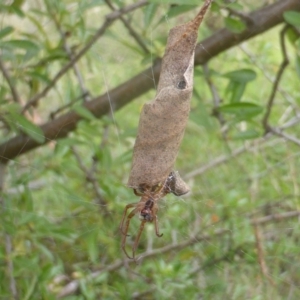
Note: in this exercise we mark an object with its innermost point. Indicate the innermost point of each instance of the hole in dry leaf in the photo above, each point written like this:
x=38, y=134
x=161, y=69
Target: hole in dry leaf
x=181, y=85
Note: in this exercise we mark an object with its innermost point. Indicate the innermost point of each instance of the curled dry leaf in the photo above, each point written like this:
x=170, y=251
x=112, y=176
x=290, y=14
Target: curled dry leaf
x=161, y=129
x=163, y=120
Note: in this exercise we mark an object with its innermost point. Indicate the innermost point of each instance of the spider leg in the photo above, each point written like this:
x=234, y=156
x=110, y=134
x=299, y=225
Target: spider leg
x=123, y=217
x=137, y=193
x=123, y=244
x=156, y=227
x=137, y=239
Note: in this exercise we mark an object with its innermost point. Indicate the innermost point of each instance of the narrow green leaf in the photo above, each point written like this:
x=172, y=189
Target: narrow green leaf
x=215, y=7
x=242, y=109
x=149, y=13
x=178, y=10
x=32, y=286
x=246, y=135
x=235, y=6
x=83, y=112
x=236, y=90
x=292, y=17
x=93, y=249
x=22, y=44
x=234, y=25
x=104, y=156
x=3, y=91
x=32, y=130
x=292, y=35
x=297, y=62
x=39, y=76
x=6, y=31
x=242, y=75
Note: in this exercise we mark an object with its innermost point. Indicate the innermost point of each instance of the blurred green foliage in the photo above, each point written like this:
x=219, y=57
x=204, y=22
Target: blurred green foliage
x=64, y=229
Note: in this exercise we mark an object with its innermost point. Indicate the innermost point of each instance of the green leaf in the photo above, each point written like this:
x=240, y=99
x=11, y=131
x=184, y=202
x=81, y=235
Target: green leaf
x=199, y=114
x=292, y=17
x=93, y=249
x=292, y=35
x=235, y=6
x=32, y=130
x=297, y=62
x=238, y=81
x=178, y=10
x=234, y=25
x=242, y=75
x=83, y=112
x=21, y=44
x=6, y=31
x=246, y=135
x=236, y=90
x=243, y=110
x=3, y=91
x=39, y=76
x=215, y=7
x=104, y=156
x=149, y=13
x=14, y=7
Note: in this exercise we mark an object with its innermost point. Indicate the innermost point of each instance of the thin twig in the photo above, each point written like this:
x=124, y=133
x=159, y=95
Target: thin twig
x=143, y=295
x=261, y=256
x=73, y=286
x=254, y=190
x=110, y=18
x=8, y=242
x=253, y=60
x=275, y=217
x=130, y=29
x=285, y=135
x=62, y=108
x=90, y=177
x=224, y=158
x=7, y=76
x=283, y=66
x=244, y=17
x=10, y=267
x=215, y=95
x=84, y=91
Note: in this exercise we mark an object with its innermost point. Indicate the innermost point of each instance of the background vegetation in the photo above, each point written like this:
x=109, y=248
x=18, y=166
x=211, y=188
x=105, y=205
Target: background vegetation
x=68, y=70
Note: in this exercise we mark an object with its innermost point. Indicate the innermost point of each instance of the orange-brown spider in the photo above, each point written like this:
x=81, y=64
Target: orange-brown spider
x=147, y=207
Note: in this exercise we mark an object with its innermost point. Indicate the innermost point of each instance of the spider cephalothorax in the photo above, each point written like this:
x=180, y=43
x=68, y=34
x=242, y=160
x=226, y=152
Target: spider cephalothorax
x=147, y=207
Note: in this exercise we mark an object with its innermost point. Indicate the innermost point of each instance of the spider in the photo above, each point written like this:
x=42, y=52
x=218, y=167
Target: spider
x=147, y=207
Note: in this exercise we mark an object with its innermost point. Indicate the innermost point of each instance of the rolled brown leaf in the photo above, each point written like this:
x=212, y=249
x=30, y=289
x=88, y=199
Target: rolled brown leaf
x=163, y=120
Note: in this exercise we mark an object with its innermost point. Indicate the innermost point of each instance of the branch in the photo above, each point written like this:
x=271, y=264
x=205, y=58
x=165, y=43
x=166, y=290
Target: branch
x=222, y=40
